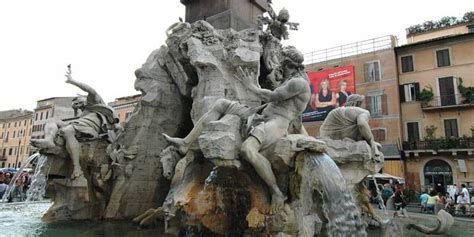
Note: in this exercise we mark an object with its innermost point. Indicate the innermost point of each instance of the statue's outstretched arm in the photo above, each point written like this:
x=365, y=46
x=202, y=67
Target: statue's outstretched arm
x=283, y=92
x=81, y=85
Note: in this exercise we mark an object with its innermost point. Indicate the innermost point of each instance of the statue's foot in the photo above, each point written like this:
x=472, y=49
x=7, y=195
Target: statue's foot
x=179, y=143
x=77, y=173
x=42, y=143
x=278, y=202
x=149, y=217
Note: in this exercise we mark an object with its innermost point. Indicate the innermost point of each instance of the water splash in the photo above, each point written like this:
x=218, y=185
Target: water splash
x=16, y=176
x=338, y=206
x=39, y=181
x=380, y=199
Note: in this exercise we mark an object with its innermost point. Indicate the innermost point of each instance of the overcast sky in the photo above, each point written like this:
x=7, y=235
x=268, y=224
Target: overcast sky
x=106, y=40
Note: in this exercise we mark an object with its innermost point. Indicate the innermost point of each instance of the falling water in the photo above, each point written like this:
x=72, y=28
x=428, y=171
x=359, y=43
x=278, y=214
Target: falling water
x=338, y=205
x=379, y=198
x=39, y=181
x=16, y=176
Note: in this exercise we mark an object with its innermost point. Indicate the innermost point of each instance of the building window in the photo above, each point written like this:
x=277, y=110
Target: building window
x=447, y=91
x=407, y=63
x=442, y=58
x=14, y=125
x=451, y=128
x=14, y=132
x=41, y=116
x=4, y=152
x=127, y=115
x=413, y=131
x=24, y=124
x=10, y=151
x=376, y=103
x=36, y=117
x=379, y=134
x=409, y=92
x=47, y=114
x=372, y=71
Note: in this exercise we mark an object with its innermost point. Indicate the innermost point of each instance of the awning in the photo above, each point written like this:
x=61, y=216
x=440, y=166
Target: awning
x=387, y=176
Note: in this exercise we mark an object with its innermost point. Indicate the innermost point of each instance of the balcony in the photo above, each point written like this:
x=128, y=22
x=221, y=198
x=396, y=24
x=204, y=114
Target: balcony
x=3, y=158
x=452, y=145
x=446, y=102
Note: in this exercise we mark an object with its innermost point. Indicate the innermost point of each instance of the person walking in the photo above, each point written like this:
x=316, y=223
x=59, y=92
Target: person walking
x=423, y=201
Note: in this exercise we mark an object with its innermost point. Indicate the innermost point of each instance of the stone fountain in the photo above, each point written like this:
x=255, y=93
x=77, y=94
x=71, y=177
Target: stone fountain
x=216, y=145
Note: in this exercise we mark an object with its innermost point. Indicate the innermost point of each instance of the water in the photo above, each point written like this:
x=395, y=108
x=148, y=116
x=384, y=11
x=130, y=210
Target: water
x=344, y=218
x=39, y=180
x=10, y=187
x=380, y=199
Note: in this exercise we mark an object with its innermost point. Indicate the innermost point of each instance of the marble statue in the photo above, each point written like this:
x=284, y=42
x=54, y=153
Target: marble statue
x=216, y=145
x=97, y=120
x=284, y=104
x=350, y=121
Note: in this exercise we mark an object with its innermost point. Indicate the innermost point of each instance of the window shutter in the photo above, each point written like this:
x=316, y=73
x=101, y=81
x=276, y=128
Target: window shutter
x=366, y=72
x=384, y=104
x=401, y=89
x=367, y=103
x=417, y=90
x=377, y=71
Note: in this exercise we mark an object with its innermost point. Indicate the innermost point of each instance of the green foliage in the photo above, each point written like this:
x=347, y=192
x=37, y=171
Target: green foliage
x=426, y=95
x=443, y=22
x=430, y=131
x=468, y=16
x=466, y=92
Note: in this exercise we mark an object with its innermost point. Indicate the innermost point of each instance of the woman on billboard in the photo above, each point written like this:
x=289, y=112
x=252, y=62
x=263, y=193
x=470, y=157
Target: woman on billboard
x=342, y=95
x=324, y=100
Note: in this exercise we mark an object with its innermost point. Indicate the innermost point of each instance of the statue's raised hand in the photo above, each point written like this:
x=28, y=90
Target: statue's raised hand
x=245, y=76
x=68, y=74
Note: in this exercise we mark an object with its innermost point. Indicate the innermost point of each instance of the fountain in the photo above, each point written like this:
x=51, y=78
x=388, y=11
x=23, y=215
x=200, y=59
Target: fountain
x=216, y=145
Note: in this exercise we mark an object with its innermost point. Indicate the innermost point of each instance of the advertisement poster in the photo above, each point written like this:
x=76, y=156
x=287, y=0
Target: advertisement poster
x=330, y=89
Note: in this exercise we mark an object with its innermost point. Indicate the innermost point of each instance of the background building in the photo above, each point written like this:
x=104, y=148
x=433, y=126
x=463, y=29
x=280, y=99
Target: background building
x=375, y=71
x=15, y=131
x=55, y=107
x=124, y=106
x=438, y=114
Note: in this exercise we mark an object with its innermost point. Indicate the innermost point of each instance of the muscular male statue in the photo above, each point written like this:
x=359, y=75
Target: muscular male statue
x=284, y=105
x=97, y=118
x=350, y=121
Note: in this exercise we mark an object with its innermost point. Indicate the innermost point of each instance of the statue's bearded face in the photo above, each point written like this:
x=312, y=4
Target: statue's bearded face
x=79, y=103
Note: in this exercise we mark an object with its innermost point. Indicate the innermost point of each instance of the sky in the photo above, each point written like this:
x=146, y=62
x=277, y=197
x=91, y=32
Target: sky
x=106, y=40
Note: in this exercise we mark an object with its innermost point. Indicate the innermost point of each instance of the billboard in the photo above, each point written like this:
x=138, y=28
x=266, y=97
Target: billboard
x=329, y=90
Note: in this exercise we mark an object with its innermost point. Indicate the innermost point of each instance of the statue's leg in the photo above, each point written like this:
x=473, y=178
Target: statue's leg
x=50, y=130
x=216, y=112
x=262, y=166
x=73, y=148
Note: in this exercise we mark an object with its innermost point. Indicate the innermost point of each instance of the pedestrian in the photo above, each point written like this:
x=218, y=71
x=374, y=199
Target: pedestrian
x=423, y=201
x=399, y=201
x=386, y=193
x=3, y=188
x=432, y=200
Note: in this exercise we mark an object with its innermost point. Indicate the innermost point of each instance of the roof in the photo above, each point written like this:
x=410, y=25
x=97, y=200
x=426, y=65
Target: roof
x=14, y=113
x=435, y=40
x=61, y=97
x=390, y=151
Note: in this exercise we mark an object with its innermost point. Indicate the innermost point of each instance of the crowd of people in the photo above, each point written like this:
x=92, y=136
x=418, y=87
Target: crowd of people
x=18, y=189
x=455, y=201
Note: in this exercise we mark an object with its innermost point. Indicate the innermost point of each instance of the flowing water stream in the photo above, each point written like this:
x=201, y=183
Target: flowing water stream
x=39, y=180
